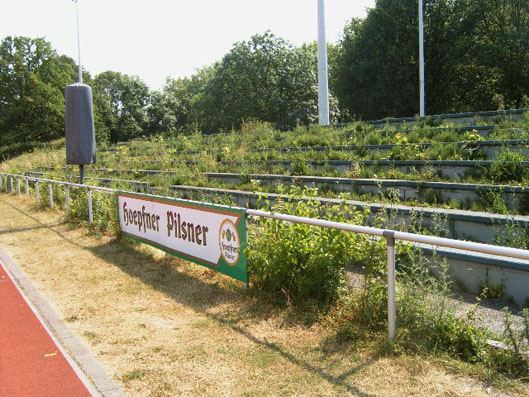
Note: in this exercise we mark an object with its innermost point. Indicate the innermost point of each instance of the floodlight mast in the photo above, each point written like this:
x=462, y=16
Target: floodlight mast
x=80, y=70
x=421, y=58
x=323, y=83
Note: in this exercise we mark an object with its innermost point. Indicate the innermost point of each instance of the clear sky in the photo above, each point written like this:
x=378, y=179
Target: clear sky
x=156, y=39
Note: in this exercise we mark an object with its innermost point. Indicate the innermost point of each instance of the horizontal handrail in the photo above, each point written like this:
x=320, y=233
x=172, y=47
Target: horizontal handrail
x=389, y=235
x=417, y=238
x=412, y=237
x=72, y=184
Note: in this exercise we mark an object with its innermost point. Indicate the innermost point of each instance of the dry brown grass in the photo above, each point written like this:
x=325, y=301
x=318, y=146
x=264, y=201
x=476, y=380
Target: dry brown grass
x=161, y=326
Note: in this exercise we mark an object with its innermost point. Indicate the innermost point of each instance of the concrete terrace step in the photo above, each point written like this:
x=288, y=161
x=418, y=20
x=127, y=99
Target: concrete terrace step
x=469, y=270
x=476, y=226
x=452, y=169
x=466, y=117
x=513, y=196
x=490, y=148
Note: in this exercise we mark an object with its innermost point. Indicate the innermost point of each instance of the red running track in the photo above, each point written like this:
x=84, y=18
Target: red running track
x=31, y=364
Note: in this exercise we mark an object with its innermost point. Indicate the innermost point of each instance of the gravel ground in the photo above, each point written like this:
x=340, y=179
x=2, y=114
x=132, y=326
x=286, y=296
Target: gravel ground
x=489, y=312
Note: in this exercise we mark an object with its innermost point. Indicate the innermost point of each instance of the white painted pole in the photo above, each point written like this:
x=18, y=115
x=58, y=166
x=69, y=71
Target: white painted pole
x=392, y=305
x=27, y=186
x=18, y=186
x=37, y=190
x=80, y=69
x=421, y=58
x=323, y=82
x=50, y=195
x=67, y=198
x=11, y=184
x=90, y=214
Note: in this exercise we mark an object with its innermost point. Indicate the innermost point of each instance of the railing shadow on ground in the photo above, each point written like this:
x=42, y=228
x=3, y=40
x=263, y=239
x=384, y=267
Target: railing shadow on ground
x=27, y=229
x=201, y=296
x=41, y=225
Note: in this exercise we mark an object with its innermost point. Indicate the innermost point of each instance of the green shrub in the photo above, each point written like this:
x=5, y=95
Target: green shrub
x=508, y=167
x=298, y=262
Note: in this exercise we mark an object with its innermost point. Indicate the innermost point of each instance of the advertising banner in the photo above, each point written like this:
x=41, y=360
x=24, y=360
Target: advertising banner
x=210, y=235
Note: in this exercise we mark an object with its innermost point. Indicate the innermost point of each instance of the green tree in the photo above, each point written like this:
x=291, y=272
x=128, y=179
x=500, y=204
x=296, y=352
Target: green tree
x=174, y=110
x=476, y=52
x=377, y=75
x=263, y=78
x=32, y=80
x=122, y=101
x=493, y=51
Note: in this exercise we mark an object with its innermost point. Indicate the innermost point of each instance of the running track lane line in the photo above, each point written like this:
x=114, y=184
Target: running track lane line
x=31, y=363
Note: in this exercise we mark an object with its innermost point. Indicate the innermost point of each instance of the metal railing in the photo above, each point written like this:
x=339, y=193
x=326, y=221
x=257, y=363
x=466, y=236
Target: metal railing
x=390, y=235
x=4, y=177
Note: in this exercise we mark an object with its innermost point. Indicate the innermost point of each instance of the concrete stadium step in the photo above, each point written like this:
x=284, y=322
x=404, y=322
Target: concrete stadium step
x=489, y=148
x=515, y=197
x=475, y=226
x=457, y=118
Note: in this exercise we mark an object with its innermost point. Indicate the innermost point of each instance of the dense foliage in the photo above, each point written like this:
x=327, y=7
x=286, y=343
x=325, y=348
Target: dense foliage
x=123, y=100
x=477, y=58
x=306, y=263
x=476, y=55
x=32, y=78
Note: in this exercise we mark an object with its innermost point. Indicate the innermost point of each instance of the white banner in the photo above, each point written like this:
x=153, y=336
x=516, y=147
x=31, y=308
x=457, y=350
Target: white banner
x=202, y=233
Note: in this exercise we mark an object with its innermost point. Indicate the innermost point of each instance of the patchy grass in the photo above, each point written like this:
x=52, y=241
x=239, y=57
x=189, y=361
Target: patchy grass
x=163, y=326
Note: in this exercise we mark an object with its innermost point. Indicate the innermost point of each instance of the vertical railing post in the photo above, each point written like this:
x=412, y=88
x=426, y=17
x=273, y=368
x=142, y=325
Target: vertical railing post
x=1, y=182
x=392, y=306
x=11, y=184
x=37, y=189
x=50, y=194
x=18, y=186
x=67, y=197
x=90, y=215
x=27, y=186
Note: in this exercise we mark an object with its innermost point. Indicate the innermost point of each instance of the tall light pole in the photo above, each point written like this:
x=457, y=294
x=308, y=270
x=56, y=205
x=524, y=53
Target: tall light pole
x=80, y=70
x=323, y=82
x=79, y=118
x=421, y=58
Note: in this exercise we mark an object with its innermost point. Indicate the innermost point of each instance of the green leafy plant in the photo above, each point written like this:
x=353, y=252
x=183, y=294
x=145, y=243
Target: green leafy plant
x=298, y=262
x=491, y=291
x=508, y=167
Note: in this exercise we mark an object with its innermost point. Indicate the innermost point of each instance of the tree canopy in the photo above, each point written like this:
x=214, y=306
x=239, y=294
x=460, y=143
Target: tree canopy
x=32, y=80
x=476, y=51
x=476, y=54
x=264, y=78
x=124, y=105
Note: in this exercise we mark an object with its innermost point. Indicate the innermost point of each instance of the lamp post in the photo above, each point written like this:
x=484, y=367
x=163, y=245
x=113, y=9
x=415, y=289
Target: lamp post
x=323, y=83
x=79, y=118
x=80, y=70
x=421, y=58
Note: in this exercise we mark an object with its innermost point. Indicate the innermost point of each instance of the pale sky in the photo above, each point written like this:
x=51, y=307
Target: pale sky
x=156, y=39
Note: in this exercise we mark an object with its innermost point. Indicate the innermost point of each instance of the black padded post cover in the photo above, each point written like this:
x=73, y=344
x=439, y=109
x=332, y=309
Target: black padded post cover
x=79, y=125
